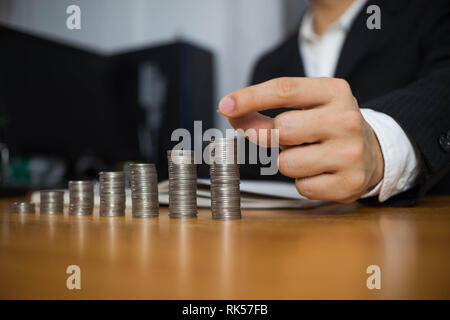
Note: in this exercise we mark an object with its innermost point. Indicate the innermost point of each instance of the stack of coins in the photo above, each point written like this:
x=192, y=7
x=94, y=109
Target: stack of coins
x=23, y=207
x=182, y=184
x=225, y=180
x=144, y=190
x=112, y=194
x=52, y=202
x=81, y=198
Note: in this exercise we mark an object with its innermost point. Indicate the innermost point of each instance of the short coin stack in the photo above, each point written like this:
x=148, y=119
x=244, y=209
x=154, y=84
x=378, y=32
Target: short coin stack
x=112, y=194
x=182, y=184
x=81, y=198
x=23, y=207
x=52, y=202
x=144, y=190
x=225, y=180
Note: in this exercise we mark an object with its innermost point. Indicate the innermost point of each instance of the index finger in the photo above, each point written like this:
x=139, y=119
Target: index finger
x=276, y=93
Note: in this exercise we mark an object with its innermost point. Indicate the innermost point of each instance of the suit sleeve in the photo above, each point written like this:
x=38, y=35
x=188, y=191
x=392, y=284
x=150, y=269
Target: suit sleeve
x=423, y=108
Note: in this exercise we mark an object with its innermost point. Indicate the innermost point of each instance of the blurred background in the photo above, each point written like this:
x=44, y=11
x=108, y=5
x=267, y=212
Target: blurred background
x=75, y=102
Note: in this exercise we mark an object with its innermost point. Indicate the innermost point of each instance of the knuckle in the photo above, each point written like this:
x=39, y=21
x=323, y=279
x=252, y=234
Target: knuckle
x=287, y=124
x=284, y=87
x=353, y=121
x=282, y=132
x=357, y=182
x=352, y=187
x=355, y=153
x=325, y=84
x=342, y=85
x=285, y=164
x=278, y=121
x=304, y=188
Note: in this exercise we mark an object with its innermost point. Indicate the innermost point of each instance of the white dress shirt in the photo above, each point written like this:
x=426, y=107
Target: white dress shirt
x=320, y=55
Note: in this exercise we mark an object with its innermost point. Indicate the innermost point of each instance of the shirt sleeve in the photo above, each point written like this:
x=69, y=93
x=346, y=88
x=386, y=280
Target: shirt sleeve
x=401, y=161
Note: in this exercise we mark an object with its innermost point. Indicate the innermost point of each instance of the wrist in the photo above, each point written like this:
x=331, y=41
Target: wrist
x=377, y=160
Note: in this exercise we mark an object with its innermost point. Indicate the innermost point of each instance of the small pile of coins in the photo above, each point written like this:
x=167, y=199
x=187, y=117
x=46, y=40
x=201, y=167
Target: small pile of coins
x=23, y=207
x=225, y=179
x=182, y=184
x=112, y=194
x=144, y=190
x=81, y=198
x=52, y=202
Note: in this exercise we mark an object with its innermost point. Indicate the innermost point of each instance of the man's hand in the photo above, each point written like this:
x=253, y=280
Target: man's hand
x=327, y=145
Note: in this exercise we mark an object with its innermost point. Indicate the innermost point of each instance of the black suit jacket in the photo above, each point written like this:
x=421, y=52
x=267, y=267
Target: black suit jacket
x=402, y=70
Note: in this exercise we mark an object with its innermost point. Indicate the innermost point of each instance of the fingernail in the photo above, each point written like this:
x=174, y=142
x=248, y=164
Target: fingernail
x=226, y=105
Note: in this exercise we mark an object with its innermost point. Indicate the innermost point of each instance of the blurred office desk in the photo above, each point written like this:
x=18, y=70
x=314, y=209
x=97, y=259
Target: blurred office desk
x=284, y=254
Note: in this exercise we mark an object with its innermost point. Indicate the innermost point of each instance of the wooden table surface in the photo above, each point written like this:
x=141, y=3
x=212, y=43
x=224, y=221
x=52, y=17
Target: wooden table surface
x=276, y=254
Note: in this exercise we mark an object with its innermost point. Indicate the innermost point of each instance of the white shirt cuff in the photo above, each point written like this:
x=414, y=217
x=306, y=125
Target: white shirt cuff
x=401, y=162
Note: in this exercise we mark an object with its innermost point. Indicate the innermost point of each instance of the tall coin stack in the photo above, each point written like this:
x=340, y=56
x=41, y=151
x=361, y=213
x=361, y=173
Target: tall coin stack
x=144, y=190
x=81, y=198
x=225, y=180
x=52, y=202
x=182, y=184
x=112, y=194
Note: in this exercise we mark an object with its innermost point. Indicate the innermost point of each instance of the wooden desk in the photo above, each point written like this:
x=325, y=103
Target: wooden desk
x=285, y=254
